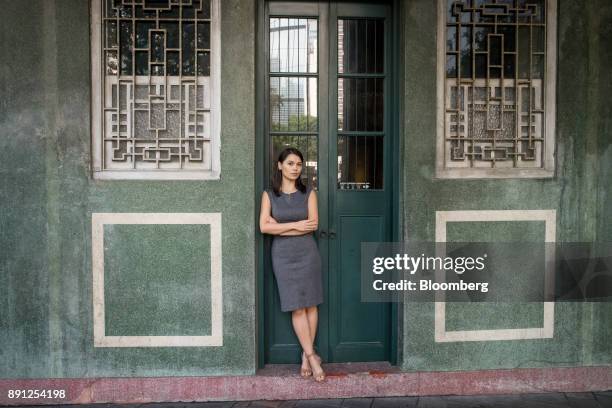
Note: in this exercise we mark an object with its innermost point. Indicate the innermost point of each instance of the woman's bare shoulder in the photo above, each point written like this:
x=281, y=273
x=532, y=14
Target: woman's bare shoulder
x=268, y=192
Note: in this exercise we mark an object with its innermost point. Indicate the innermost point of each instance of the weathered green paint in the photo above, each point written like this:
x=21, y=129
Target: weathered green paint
x=517, y=278
x=580, y=191
x=48, y=196
x=157, y=280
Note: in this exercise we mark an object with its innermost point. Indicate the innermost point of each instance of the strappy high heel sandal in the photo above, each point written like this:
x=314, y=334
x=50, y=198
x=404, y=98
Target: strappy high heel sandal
x=319, y=376
x=305, y=372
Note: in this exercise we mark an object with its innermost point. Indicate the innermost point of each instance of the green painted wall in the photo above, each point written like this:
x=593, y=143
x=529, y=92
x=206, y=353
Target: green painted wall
x=580, y=193
x=48, y=196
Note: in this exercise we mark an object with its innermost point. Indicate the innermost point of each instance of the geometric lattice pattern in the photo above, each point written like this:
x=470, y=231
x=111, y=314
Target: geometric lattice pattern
x=494, y=93
x=157, y=96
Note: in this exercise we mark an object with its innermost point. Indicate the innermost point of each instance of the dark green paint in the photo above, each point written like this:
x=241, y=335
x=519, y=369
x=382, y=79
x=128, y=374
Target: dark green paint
x=348, y=330
x=358, y=331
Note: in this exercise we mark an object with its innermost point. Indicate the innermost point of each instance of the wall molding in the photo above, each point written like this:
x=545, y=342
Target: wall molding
x=98, y=220
x=545, y=332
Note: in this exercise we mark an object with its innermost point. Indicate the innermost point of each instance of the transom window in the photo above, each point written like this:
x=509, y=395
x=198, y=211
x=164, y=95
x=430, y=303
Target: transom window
x=156, y=82
x=496, y=95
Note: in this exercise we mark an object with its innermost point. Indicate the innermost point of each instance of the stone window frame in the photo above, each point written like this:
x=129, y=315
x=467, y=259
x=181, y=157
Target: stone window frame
x=547, y=170
x=97, y=104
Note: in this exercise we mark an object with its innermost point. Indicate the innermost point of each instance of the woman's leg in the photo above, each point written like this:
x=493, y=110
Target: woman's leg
x=301, y=326
x=302, y=329
x=313, y=316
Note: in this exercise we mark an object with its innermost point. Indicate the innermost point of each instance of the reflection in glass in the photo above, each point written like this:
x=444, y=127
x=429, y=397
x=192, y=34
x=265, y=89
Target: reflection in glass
x=142, y=33
x=158, y=40
x=204, y=63
x=480, y=37
x=537, y=70
x=293, y=45
x=305, y=144
x=499, y=33
x=509, y=65
x=538, y=11
x=173, y=63
x=360, y=162
x=125, y=47
x=451, y=66
x=151, y=40
x=361, y=46
x=188, y=49
x=508, y=33
x=360, y=104
x=203, y=35
x=293, y=97
x=495, y=48
x=481, y=65
x=293, y=104
x=490, y=46
x=172, y=33
x=523, y=48
x=111, y=34
x=466, y=52
x=451, y=16
x=451, y=39
x=168, y=41
x=111, y=62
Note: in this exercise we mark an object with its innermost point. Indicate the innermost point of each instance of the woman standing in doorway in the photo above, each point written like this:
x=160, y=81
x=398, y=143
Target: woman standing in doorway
x=289, y=212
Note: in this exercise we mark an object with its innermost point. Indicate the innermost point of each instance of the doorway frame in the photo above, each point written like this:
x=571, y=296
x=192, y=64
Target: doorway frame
x=397, y=145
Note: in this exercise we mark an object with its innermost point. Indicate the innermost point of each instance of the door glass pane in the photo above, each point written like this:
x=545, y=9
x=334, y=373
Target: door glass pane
x=293, y=45
x=361, y=46
x=305, y=144
x=360, y=162
x=293, y=91
x=361, y=76
x=293, y=104
x=360, y=104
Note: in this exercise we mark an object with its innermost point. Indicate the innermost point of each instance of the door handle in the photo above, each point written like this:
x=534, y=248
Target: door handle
x=323, y=234
x=332, y=234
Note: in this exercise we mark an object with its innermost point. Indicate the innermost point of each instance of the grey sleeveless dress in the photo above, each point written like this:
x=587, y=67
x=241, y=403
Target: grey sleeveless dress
x=296, y=261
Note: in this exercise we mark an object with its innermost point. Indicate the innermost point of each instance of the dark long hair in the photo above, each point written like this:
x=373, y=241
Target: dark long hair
x=277, y=178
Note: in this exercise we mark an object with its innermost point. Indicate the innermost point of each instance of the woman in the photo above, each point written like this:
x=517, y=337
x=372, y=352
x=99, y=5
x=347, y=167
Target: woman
x=289, y=212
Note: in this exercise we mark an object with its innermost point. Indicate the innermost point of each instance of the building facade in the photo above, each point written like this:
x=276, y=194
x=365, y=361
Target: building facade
x=139, y=136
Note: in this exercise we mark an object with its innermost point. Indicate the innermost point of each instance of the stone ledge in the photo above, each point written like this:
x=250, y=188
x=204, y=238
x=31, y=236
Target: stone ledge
x=283, y=382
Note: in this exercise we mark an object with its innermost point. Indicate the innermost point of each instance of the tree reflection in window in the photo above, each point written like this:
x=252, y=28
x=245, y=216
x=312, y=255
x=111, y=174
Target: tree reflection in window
x=157, y=84
x=495, y=83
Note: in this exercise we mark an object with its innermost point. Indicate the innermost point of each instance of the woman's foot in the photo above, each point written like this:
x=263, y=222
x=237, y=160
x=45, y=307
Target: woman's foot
x=305, y=370
x=315, y=364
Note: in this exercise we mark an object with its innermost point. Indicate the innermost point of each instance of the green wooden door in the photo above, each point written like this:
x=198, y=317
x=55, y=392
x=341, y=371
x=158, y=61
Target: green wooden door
x=327, y=91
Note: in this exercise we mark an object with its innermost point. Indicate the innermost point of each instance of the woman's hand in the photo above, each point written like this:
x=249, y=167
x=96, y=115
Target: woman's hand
x=305, y=225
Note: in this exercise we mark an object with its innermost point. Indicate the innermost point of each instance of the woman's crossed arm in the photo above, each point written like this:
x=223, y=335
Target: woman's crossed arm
x=268, y=225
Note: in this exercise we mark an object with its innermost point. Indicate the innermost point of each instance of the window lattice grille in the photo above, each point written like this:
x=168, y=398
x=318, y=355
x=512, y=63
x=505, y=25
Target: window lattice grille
x=495, y=78
x=158, y=103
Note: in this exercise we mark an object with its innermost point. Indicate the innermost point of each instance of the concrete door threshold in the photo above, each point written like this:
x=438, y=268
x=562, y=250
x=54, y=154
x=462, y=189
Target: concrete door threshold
x=332, y=369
